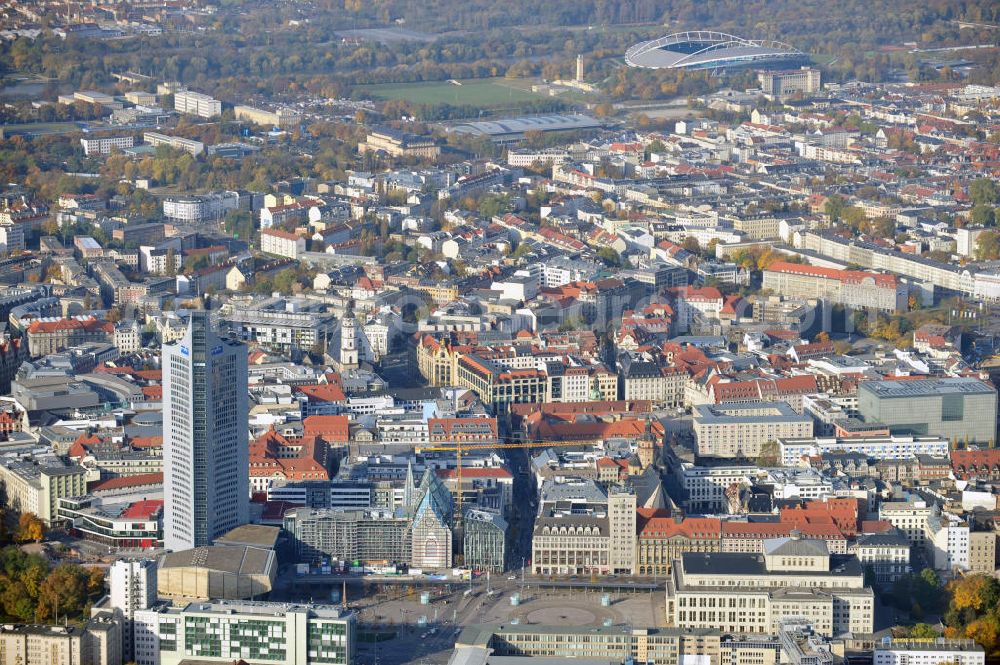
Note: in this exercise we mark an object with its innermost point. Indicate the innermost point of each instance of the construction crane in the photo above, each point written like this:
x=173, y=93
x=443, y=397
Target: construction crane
x=460, y=448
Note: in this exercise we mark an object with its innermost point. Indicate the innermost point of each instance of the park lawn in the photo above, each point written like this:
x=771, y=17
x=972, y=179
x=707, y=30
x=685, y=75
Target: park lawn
x=472, y=92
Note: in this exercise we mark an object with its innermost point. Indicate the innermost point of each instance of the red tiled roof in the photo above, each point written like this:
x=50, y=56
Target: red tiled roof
x=329, y=428
x=848, y=276
x=322, y=392
x=476, y=472
x=139, y=480
x=146, y=442
x=145, y=509
x=876, y=526
x=152, y=392
x=278, y=233
x=985, y=461
x=88, y=325
x=654, y=524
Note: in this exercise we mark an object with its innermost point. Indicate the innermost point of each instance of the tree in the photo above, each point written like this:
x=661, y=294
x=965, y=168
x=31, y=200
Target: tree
x=988, y=246
x=655, y=146
x=983, y=191
x=95, y=581
x=30, y=528
x=691, y=244
x=769, y=455
x=823, y=337
x=854, y=217
x=609, y=256
x=883, y=227
x=982, y=215
x=834, y=207
x=63, y=593
x=985, y=631
x=171, y=260
x=923, y=631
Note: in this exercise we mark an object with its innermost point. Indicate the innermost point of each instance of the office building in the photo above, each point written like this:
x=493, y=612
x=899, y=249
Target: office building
x=662, y=539
x=226, y=632
x=206, y=456
x=485, y=541
x=852, y=288
x=932, y=651
x=741, y=430
x=283, y=323
x=982, y=552
x=959, y=409
x=582, y=529
x=754, y=593
x=282, y=118
x=590, y=645
x=899, y=446
x=133, y=587
x=114, y=524
x=176, y=142
x=99, y=642
x=11, y=237
x=790, y=82
x=104, y=145
x=367, y=536
x=34, y=481
x=910, y=517
x=886, y=554
x=202, y=208
x=500, y=386
x=399, y=144
x=196, y=103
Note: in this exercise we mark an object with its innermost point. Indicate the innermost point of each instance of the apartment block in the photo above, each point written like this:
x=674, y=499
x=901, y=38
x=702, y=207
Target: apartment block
x=282, y=243
x=196, y=103
x=106, y=144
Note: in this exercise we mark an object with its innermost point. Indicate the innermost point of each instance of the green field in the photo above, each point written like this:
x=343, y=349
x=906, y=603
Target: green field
x=38, y=128
x=472, y=92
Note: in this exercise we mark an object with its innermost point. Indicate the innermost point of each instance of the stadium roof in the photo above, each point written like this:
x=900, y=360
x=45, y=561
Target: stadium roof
x=707, y=49
x=536, y=123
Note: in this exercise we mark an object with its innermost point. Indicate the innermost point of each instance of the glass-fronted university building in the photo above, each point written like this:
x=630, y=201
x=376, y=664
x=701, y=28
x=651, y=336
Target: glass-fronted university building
x=225, y=632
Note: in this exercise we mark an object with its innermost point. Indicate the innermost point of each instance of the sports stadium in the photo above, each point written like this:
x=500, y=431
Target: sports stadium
x=707, y=49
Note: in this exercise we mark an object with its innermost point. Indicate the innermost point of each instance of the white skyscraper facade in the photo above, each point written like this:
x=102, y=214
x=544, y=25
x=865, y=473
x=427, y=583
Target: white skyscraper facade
x=205, y=436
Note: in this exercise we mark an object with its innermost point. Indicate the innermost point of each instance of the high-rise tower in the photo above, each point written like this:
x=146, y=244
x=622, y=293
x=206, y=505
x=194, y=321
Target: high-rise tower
x=205, y=444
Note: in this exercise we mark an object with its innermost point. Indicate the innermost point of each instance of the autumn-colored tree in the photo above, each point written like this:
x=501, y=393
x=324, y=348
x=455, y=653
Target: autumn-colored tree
x=30, y=528
x=976, y=592
x=985, y=631
x=63, y=592
x=95, y=581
